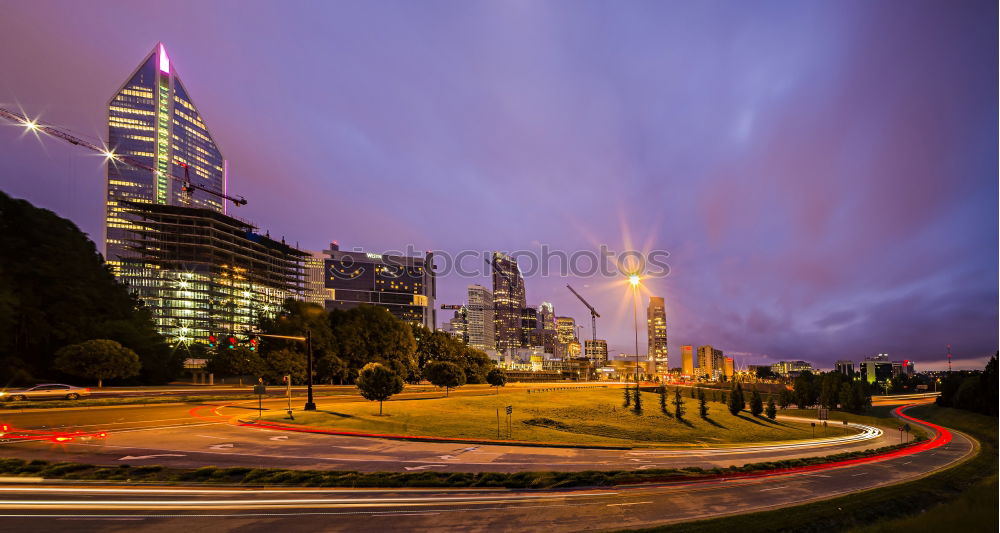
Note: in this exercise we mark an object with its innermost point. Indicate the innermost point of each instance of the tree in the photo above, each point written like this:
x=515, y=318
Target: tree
x=331, y=368
x=496, y=378
x=638, y=401
x=785, y=398
x=736, y=402
x=377, y=383
x=663, y=399
x=98, y=359
x=278, y=363
x=238, y=361
x=678, y=404
x=628, y=397
x=756, y=403
x=772, y=410
x=444, y=374
x=805, y=390
x=367, y=334
x=702, y=404
x=60, y=292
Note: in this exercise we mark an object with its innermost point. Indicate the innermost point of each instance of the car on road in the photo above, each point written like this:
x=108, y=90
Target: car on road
x=48, y=391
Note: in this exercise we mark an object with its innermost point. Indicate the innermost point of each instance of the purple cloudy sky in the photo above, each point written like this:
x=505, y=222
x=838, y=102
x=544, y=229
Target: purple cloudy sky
x=823, y=174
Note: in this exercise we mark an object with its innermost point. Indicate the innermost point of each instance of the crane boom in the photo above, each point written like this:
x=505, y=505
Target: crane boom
x=594, y=315
x=124, y=159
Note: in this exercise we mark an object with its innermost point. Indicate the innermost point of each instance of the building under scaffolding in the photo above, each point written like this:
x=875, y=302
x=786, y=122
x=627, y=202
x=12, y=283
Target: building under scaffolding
x=203, y=273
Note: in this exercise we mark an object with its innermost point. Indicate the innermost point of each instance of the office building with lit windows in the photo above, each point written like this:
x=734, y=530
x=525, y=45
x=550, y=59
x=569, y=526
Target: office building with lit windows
x=508, y=302
x=314, y=288
x=596, y=351
x=153, y=120
x=656, y=327
x=199, y=271
x=404, y=286
x=687, y=361
x=479, y=317
x=711, y=362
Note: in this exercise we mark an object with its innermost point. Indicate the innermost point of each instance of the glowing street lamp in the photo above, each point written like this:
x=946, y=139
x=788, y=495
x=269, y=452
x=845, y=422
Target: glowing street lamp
x=634, y=280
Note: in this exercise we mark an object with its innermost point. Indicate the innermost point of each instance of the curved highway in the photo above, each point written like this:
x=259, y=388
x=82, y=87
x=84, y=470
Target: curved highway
x=117, y=508
x=183, y=436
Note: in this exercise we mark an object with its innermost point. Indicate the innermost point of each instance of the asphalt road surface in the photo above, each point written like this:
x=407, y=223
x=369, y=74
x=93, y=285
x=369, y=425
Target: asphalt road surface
x=199, y=435
x=44, y=507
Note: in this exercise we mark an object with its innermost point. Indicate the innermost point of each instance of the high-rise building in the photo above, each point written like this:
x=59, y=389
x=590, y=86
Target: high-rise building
x=198, y=271
x=687, y=361
x=565, y=329
x=547, y=327
x=479, y=315
x=403, y=285
x=656, y=325
x=508, y=301
x=876, y=368
x=845, y=367
x=202, y=273
x=729, y=367
x=711, y=362
x=153, y=120
x=458, y=325
x=596, y=351
x=530, y=334
x=315, y=289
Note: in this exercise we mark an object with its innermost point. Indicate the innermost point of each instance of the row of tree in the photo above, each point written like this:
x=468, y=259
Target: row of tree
x=56, y=291
x=344, y=341
x=830, y=390
x=972, y=391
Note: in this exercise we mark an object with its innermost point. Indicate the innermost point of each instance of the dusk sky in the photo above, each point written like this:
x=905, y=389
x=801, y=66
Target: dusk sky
x=823, y=174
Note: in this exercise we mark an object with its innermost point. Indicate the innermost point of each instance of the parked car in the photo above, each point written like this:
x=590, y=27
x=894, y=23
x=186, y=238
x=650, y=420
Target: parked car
x=47, y=391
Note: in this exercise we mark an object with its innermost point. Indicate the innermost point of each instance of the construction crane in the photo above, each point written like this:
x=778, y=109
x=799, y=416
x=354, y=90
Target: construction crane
x=594, y=315
x=186, y=186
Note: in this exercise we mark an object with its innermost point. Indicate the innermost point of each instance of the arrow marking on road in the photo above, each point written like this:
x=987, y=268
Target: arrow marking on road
x=446, y=457
x=420, y=467
x=221, y=446
x=132, y=457
x=279, y=437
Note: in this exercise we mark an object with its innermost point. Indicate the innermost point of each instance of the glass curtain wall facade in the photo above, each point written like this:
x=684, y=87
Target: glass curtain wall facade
x=508, y=301
x=656, y=324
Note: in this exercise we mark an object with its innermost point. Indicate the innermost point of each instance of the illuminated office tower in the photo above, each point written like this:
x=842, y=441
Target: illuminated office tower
x=565, y=329
x=687, y=361
x=153, y=120
x=508, y=302
x=199, y=272
x=479, y=315
x=656, y=326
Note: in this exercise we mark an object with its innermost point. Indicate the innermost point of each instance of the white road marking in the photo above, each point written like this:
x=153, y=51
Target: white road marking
x=861, y=474
x=630, y=503
x=221, y=446
x=279, y=437
x=773, y=488
x=132, y=457
x=421, y=467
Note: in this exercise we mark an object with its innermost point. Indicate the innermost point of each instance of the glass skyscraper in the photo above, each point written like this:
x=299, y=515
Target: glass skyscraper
x=199, y=272
x=152, y=119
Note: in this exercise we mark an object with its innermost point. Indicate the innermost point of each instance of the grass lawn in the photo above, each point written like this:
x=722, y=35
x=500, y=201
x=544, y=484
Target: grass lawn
x=574, y=416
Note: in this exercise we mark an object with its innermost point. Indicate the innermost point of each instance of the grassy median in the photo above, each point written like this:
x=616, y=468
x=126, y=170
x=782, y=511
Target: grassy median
x=580, y=416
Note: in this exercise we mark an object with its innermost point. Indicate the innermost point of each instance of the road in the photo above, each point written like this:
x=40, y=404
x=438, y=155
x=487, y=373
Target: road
x=192, y=436
x=117, y=508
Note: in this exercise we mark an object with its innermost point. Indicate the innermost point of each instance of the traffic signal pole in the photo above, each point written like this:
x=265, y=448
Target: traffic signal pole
x=310, y=405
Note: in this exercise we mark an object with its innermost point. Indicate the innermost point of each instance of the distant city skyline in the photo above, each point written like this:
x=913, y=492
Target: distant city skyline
x=814, y=206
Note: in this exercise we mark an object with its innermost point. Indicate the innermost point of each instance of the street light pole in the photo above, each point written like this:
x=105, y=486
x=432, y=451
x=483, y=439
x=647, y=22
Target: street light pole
x=634, y=281
x=310, y=405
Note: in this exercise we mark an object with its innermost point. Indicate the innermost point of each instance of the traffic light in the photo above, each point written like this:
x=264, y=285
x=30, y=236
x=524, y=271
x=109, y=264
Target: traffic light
x=232, y=342
x=253, y=344
x=212, y=341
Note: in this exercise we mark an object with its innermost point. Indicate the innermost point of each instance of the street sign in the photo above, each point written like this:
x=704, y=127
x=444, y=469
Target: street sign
x=260, y=389
x=510, y=409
